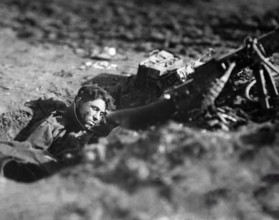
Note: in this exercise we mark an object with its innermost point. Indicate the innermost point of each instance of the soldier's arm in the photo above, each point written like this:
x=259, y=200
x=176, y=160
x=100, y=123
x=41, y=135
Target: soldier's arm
x=42, y=136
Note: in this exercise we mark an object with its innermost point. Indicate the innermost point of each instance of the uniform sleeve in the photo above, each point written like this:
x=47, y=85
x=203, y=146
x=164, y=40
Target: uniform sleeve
x=41, y=137
x=23, y=152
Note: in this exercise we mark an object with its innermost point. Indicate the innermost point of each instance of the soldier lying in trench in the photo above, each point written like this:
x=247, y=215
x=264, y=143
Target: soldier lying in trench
x=53, y=140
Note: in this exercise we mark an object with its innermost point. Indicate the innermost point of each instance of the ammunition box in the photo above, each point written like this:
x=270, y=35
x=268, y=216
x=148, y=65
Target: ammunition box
x=174, y=77
x=151, y=70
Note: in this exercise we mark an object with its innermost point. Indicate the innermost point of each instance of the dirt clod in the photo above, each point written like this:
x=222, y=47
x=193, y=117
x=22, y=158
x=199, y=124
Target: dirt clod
x=224, y=166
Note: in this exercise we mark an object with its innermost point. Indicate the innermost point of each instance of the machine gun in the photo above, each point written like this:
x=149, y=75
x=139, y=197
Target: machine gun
x=207, y=82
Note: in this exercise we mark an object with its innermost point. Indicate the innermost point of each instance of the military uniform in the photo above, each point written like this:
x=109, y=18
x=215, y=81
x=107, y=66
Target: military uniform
x=48, y=144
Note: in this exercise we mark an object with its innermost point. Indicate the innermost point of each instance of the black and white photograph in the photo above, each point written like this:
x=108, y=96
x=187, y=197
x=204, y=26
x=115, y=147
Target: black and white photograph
x=139, y=110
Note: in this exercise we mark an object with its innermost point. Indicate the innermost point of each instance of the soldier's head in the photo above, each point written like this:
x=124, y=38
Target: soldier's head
x=92, y=105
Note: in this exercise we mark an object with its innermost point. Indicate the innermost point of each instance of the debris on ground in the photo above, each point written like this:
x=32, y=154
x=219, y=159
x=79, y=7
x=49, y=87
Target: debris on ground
x=226, y=167
x=105, y=65
x=98, y=65
x=107, y=53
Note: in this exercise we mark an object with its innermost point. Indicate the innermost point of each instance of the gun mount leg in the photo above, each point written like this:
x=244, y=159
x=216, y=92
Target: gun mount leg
x=263, y=75
x=268, y=92
x=271, y=86
x=270, y=82
x=261, y=86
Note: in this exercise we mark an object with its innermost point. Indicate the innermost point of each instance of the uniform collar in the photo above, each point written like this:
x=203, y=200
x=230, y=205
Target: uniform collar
x=72, y=119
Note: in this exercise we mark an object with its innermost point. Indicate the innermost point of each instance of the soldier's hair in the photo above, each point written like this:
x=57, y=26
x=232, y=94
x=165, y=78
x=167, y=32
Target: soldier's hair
x=92, y=92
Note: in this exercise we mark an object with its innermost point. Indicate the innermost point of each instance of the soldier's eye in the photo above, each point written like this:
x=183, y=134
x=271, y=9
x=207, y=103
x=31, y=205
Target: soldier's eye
x=94, y=108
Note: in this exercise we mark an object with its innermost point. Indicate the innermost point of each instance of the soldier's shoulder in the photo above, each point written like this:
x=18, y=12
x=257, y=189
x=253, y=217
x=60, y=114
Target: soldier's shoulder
x=45, y=107
x=57, y=118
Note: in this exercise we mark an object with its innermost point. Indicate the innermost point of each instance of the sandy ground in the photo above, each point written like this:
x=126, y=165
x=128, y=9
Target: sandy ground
x=166, y=172
x=30, y=71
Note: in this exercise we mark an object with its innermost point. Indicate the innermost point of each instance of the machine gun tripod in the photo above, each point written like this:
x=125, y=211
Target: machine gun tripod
x=263, y=71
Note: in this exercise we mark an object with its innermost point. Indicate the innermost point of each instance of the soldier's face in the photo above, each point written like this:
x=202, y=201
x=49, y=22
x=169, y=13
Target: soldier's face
x=91, y=112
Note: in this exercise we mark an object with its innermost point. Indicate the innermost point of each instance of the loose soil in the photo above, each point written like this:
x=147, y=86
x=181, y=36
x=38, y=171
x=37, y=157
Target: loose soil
x=168, y=171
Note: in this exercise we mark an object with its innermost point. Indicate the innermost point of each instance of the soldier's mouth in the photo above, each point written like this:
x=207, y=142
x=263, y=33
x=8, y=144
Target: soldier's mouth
x=91, y=123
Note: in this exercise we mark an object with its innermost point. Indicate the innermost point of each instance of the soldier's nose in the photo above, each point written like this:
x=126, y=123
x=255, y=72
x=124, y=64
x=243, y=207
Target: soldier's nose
x=97, y=117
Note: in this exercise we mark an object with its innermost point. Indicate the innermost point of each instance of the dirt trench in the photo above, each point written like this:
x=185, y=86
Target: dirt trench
x=170, y=171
